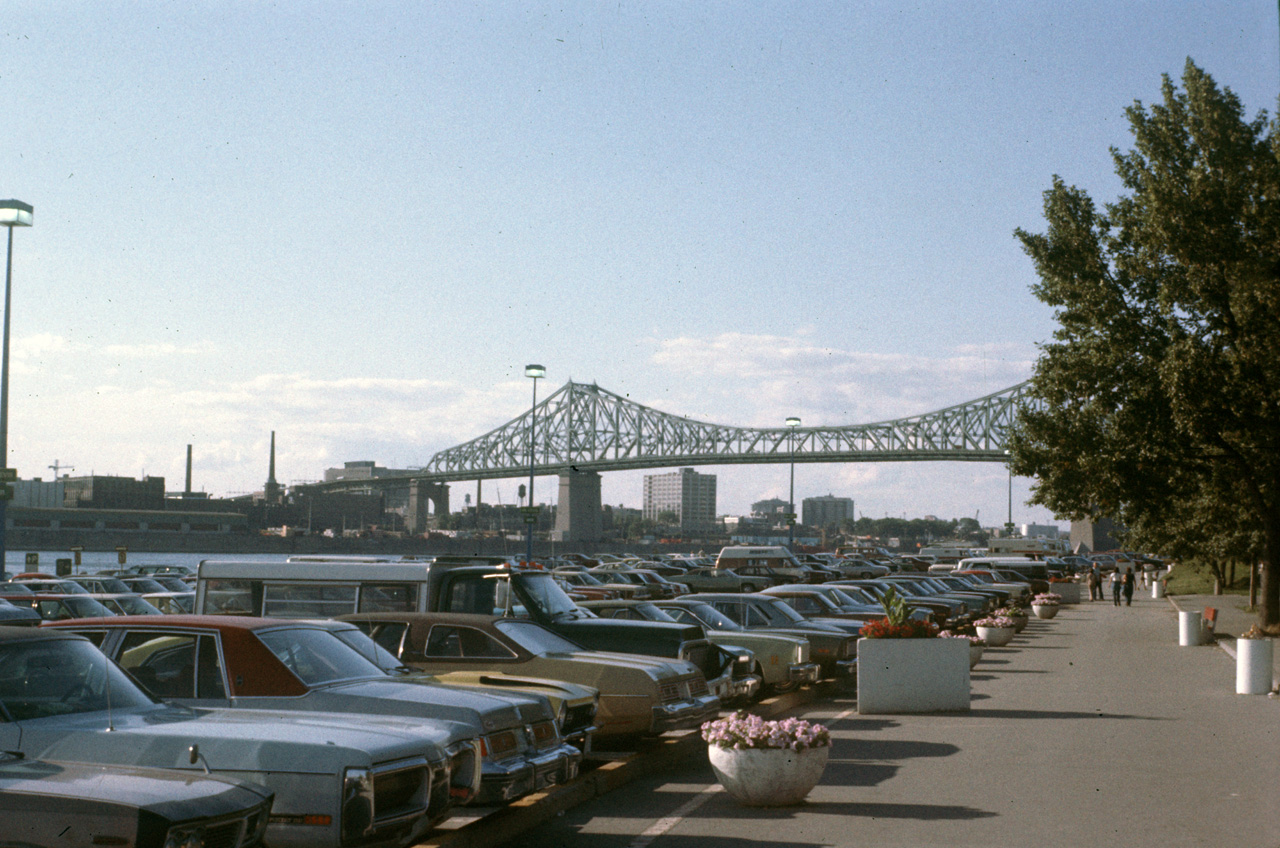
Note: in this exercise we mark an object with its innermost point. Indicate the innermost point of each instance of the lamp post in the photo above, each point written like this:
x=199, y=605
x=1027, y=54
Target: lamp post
x=13, y=213
x=531, y=514
x=793, y=423
x=1008, y=524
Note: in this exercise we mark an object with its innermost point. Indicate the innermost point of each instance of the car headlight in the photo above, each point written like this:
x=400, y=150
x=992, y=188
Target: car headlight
x=184, y=837
x=357, y=803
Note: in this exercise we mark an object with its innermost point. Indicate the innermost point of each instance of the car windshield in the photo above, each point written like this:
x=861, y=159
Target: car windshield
x=706, y=615
x=535, y=638
x=135, y=605
x=173, y=584
x=371, y=650
x=144, y=584
x=317, y=656
x=540, y=592
x=652, y=612
x=113, y=585
x=851, y=595
x=53, y=677
x=776, y=611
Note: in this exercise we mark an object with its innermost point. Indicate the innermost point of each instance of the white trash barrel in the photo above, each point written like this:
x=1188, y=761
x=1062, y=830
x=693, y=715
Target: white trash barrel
x=1189, y=629
x=1254, y=661
x=1157, y=589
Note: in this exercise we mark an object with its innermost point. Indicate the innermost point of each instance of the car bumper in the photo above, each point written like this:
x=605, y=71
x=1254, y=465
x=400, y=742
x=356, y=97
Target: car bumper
x=682, y=715
x=745, y=687
x=846, y=672
x=803, y=673
x=507, y=780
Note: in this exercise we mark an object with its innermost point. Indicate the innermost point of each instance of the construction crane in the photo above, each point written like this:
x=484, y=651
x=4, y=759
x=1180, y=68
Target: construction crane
x=59, y=467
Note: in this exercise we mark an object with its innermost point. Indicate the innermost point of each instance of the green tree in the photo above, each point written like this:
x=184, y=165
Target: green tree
x=1158, y=402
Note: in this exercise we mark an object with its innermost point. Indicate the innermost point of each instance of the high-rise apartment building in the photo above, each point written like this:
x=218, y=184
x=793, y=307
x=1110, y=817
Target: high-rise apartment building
x=690, y=495
x=821, y=511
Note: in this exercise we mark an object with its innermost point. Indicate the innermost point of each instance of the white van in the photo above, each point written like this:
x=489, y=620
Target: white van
x=775, y=564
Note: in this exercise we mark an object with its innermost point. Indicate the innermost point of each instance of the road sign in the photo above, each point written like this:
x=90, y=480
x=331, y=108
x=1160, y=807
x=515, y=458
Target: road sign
x=530, y=514
x=8, y=474
x=6, y=491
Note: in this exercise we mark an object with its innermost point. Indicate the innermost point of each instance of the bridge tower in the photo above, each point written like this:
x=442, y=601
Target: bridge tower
x=422, y=492
x=578, y=513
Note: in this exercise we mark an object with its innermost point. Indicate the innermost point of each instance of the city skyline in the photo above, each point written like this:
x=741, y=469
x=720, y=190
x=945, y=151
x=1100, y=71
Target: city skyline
x=354, y=225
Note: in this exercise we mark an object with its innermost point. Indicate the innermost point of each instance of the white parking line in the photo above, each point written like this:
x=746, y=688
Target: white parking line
x=662, y=825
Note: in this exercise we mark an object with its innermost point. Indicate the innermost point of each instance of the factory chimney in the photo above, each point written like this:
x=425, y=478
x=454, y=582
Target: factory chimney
x=187, y=491
x=271, y=493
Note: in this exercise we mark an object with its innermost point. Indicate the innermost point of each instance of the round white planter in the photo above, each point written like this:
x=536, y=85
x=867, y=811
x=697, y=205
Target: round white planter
x=768, y=777
x=1044, y=610
x=975, y=654
x=995, y=637
x=1255, y=659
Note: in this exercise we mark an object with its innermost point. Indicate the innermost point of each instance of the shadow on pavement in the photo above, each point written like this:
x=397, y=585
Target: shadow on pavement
x=920, y=812
x=887, y=749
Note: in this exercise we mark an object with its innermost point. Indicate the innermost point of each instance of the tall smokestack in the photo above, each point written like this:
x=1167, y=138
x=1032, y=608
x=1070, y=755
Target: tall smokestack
x=271, y=492
x=271, y=469
x=188, y=489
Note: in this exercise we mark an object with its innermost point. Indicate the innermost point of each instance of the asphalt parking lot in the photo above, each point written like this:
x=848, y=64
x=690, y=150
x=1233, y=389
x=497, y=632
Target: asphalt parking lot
x=1093, y=728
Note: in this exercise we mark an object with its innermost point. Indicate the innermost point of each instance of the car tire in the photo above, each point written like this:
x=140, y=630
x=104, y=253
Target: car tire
x=749, y=587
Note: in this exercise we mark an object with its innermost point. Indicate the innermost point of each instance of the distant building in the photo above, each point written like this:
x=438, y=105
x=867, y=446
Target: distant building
x=101, y=492
x=362, y=470
x=774, y=509
x=690, y=495
x=38, y=493
x=1088, y=536
x=825, y=510
x=1040, y=531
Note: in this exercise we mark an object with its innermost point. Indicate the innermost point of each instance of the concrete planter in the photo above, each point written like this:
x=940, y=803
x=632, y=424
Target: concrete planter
x=995, y=637
x=913, y=675
x=1044, y=611
x=768, y=777
x=975, y=654
x=1255, y=659
x=1070, y=592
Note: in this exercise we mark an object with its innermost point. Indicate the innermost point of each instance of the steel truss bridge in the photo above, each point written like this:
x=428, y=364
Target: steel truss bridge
x=582, y=429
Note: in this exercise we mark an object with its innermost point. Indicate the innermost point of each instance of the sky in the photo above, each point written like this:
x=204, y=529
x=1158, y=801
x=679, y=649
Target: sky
x=354, y=223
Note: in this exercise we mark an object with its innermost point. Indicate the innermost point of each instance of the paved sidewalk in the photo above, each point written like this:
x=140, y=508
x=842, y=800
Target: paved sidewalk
x=1094, y=728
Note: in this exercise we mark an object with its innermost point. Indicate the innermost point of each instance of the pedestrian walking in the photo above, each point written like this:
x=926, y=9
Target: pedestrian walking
x=1117, y=586
x=1095, y=583
x=1128, y=584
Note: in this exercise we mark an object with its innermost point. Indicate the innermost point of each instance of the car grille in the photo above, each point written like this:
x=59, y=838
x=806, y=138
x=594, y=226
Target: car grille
x=400, y=791
x=240, y=832
x=670, y=692
x=579, y=718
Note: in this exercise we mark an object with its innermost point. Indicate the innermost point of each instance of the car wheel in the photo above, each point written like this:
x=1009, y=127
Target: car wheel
x=748, y=587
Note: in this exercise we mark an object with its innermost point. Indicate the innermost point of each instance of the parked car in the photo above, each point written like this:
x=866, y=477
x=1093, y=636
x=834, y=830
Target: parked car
x=74, y=805
x=820, y=605
x=737, y=681
x=172, y=603
x=338, y=781
x=574, y=705
x=61, y=607
x=16, y=615
x=262, y=663
x=707, y=579
x=96, y=584
x=833, y=647
x=127, y=604
x=46, y=585
x=639, y=695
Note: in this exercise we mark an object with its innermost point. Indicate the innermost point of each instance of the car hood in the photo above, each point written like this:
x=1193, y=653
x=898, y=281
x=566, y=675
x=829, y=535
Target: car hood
x=390, y=696
x=228, y=740
x=561, y=689
x=176, y=796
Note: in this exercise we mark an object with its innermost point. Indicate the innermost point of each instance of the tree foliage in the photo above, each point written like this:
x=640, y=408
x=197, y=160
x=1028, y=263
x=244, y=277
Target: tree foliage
x=1158, y=402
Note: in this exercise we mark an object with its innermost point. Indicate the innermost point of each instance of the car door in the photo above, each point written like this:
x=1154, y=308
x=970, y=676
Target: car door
x=181, y=666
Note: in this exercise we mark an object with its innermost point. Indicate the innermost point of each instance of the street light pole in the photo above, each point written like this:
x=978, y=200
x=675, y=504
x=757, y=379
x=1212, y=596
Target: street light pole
x=13, y=213
x=793, y=423
x=531, y=516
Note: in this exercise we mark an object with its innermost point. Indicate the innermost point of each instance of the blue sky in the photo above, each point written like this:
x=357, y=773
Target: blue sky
x=355, y=223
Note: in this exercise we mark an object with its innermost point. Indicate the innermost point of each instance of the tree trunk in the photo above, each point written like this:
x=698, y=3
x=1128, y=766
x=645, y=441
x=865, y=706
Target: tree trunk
x=1269, y=613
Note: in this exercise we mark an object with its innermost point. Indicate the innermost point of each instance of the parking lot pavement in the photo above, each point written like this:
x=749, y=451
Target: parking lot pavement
x=1094, y=728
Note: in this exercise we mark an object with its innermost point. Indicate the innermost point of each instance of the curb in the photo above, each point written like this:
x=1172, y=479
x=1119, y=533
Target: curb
x=525, y=813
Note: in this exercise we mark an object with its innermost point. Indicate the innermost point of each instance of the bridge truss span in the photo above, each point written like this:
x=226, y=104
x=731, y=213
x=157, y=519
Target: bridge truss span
x=582, y=427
